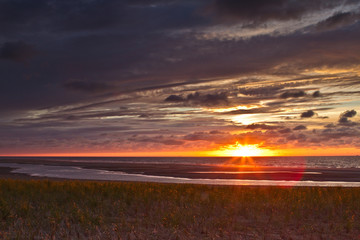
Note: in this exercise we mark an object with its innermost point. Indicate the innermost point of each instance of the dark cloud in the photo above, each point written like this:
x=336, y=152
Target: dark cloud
x=75, y=15
x=216, y=132
x=339, y=134
x=300, y=127
x=172, y=142
x=316, y=94
x=348, y=114
x=261, y=91
x=59, y=15
x=196, y=136
x=144, y=116
x=16, y=15
x=201, y=99
x=261, y=126
x=293, y=94
x=88, y=87
x=344, y=118
x=285, y=131
x=300, y=138
x=174, y=98
x=307, y=114
x=18, y=51
x=136, y=60
x=289, y=118
x=46, y=16
x=208, y=99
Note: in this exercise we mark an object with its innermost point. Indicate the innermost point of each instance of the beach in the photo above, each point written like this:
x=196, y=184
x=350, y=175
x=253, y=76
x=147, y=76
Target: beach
x=45, y=207
x=178, y=172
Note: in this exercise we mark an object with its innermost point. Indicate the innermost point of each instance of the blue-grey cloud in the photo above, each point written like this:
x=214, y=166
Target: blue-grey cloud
x=208, y=99
x=316, y=94
x=285, y=131
x=262, y=126
x=293, y=94
x=307, y=114
x=344, y=118
x=174, y=98
x=300, y=127
x=348, y=114
x=261, y=91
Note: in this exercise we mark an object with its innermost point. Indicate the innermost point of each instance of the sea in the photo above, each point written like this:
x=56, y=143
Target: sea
x=324, y=171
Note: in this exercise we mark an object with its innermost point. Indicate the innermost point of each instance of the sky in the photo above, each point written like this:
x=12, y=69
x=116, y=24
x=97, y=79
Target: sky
x=179, y=78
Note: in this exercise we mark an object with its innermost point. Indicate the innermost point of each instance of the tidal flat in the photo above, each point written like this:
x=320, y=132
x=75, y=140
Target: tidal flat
x=50, y=209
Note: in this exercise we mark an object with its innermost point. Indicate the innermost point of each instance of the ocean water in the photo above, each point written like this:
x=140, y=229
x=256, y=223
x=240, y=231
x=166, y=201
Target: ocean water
x=64, y=167
x=308, y=162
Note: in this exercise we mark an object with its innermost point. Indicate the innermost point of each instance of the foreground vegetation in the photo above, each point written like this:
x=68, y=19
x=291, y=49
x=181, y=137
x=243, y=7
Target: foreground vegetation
x=98, y=210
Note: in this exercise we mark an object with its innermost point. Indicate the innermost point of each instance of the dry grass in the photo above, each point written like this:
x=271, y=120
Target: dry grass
x=98, y=210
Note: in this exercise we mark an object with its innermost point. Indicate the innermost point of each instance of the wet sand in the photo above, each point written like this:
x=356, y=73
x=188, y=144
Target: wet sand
x=193, y=171
x=6, y=173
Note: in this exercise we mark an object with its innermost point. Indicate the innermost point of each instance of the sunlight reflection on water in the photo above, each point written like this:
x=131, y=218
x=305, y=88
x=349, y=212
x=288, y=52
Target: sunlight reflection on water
x=70, y=172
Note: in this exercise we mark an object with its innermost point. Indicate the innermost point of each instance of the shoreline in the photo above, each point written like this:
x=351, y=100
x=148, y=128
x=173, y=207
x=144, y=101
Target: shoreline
x=182, y=173
x=6, y=173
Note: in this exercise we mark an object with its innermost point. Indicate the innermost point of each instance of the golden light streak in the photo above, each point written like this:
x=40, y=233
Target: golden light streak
x=326, y=70
x=230, y=109
x=222, y=152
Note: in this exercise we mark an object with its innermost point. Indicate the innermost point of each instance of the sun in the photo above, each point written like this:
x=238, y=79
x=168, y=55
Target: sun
x=246, y=151
x=243, y=150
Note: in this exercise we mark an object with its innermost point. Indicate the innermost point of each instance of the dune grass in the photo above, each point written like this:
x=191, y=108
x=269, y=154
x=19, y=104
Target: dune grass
x=42, y=209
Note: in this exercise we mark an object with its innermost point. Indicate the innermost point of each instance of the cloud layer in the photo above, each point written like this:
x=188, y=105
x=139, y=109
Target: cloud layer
x=115, y=76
